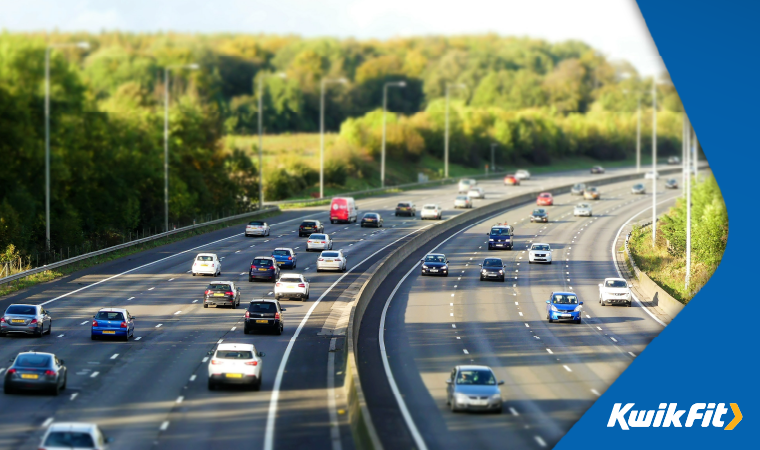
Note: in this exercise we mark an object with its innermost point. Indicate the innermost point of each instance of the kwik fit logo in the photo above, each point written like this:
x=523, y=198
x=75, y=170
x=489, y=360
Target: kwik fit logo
x=668, y=415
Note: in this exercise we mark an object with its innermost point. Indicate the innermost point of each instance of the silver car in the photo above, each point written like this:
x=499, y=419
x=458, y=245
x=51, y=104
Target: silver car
x=473, y=388
x=638, y=189
x=26, y=319
x=319, y=241
x=578, y=189
x=582, y=209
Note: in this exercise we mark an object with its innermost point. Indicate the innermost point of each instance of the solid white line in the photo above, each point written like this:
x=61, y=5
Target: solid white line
x=180, y=399
x=540, y=441
x=164, y=426
x=205, y=359
x=272, y=414
x=159, y=325
x=114, y=356
x=632, y=354
x=74, y=395
x=513, y=411
x=47, y=422
x=138, y=338
x=130, y=298
x=331, y=408
x=550, y=351
x=193, y=377
x=567, y=368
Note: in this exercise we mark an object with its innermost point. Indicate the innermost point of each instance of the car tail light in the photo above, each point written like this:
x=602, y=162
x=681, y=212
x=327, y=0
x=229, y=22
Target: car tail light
x=34, y=321
x=216, y=362
x=50, y=373
x=2, y=319
x=208, y=292
x=123, y=324
x=320, y=259
x=271, y=267
x=247, y=315
x=301, y=285
x=321, y=242
x=290, y=258
x=252, y=363
x=276, y=316
x=11, y=371
x=253, y=267
x=94, y=323
x=229, y=293
x=277, y=284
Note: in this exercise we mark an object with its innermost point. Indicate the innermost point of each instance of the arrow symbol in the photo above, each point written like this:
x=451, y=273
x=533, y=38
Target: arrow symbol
x=737, y=417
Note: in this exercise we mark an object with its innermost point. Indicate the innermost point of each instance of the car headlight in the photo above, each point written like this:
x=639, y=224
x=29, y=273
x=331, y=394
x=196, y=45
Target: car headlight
x=490, y=240
x=501, y=272
x=496, y=397
x=461, y=398
x=578, y=308
x=484, y=271
x=424, y=266
x=445, y=268
x=554, y=308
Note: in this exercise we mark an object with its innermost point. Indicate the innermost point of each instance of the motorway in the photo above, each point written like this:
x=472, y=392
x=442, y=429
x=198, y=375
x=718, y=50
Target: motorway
x=151, y=391
x=552, y=372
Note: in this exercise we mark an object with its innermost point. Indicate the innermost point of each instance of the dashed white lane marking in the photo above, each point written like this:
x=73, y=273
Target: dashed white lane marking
x=86, y=321
x=521, y=314
x=452, y=295
x=171, y=279
x=458, y=337
x=159, y=325
x=205, y=359
x=595, y=392
x=513, y=411
x=453, y=325
x=138, y=338
x=237, y=251
x=193, y=377
x=94, y=374
x=242, y=273
x=587, y=316
x=527, y=326
x=550, y=351
x=613, y=339
x=180, y=399
x=270, y=293
x=220, y=341
x=451, y=304
x=178, y=312
x=164, y=425
x=191, y=270
x=599, y=328
x=130, y=298
x=60, y=335
x=632, y=354
x=74, y=395
x=540, y=441
x=517, y=303
x=465, y=351
x=151, y=288
x=195, y=301
x=233, y=329
x=114, y=356
x=47, y=422
x=451, y=314
x=567, y=368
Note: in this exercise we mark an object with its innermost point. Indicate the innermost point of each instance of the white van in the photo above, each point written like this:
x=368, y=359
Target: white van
x=343, y=209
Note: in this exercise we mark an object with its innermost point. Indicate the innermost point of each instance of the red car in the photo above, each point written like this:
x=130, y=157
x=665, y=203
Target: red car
x=545, y=199
x=511, y=180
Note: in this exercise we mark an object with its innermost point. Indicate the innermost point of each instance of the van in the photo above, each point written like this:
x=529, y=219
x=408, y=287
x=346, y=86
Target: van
x=343, y=209
x=501, y=236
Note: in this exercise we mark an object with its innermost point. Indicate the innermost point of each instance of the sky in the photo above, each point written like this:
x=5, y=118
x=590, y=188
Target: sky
x=613, y=27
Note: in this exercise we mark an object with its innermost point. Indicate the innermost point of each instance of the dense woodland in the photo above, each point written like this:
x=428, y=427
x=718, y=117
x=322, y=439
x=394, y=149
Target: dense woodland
x=539, y=100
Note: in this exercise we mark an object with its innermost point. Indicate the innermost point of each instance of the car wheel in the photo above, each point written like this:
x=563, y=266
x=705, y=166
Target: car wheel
x=93, y=337
x=362, y=225
x=65, y=381
x=211, y=385
x=629, y=304
x=50, y=328
x=245, y=330
x=604, y=303
x=453, y=407
x=7, y=390
x=318, y=270
x=205, y=305
x=56, y=389
x=193, y=273
x=39, y=333
x=250, y=280
x=126, y=338
x=279, y=330
x=578, y=321
x=550, y=319
x=530, y=262
x=481, y=278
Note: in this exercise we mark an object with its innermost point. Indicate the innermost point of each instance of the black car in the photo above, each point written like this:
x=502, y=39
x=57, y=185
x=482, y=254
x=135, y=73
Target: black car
x=406, y=209
x=264, y=314
x=221, y=293
x=308, y=227
x=492, y=269
x=264, y=268
x=435, y=264
x=372, y=220
x=597, y=169
x=539, y=215
x=34, y=371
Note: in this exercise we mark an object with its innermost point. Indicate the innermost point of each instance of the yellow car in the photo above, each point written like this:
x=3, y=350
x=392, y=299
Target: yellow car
x=591, y=193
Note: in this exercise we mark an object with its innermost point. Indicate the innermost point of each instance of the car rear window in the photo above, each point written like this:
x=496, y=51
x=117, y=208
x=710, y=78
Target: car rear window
x=219, y=287
x=545, y=195
x=262, y=307
x=281, y=252
x=290, y=279
x=234, y=354
x=21, y=309
x=32, y=360
x=69, y=439
x=538, y=211
x=262, y=262
x=429, y=207
x=109, y=315
x=330, y=254
x=402, y=205
x=370, y=216
x=309, y=223
x=462, y=197
x=317, y=236
x=256, y=223
x=205, y=258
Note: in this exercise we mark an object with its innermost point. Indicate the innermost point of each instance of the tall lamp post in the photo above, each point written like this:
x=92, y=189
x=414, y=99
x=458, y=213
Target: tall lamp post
x=638, y=134
x=446, y=136
x=83, y=46
x=687, y=189
x=324, y=82
x=385, y=108
x=493, y=159
x=261, y=136
x=168, y=69
x=654, y=161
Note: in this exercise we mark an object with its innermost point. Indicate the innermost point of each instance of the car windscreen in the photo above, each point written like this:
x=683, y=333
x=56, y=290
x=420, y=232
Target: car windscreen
x=262, y=262
x=69, y=439
x=499, y=231
x=260, y=224
x=616, y=283
x=492, y=263
x=565, y=299
x=21, y=309
x=538, y=212
x=281, y=252
x=33, y=360
x=544, y=248
x=234, y=354
x=317, y=236
x=204, y=258
x=476, y=377
x=219, y=287
x=330, y=254
x=435, y=258
x=262, y=307
x=109, y=315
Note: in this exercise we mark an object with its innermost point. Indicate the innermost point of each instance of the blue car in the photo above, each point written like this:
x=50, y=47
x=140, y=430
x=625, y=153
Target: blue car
x=563, y=306
x=285, y=257
x=435, y=264
x=113, y=322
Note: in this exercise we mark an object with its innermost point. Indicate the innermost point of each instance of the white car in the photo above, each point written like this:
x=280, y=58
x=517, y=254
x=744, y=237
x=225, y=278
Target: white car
x=431, y=211
x=235, y=364
x=582, y=209
x=464, y=186
x=332, y=260
x=476, y=192
x=652, y=175
x=462, y=201
x=257, y=228
x=522, y=174
x=615, y=291
x=540, y=253
x=207, y=264
x=319, y=241
x=292, y=285
x=68, y=435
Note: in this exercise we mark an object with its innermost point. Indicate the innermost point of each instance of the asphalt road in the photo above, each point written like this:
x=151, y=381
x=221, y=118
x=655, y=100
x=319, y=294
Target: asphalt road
x=151, y=391
x=552, y=372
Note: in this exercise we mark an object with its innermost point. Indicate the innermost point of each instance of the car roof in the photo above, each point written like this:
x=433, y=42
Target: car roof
x=35, y=353
x=564, y=293
x=474, y=367
x=263, y=257
x=492, y=259
x=290, y=274
x=545, y=193
x=614, y=279
x=263, y=300
x=284, y=248
x=233, y=346
x=540, y=243
x=72, y=426
x=429, y=204
x=206, y=254
x=336, y=250
x=23, y=304
x=435, y=254
x=121, y=310
x=220, y=282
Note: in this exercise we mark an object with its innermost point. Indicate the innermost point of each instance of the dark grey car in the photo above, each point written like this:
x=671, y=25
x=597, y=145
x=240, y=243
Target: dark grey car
x=35, y=371
x=26, y=319
x=473, y=388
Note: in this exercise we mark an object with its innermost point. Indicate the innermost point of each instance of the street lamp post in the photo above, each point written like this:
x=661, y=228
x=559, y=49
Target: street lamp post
x=167, y=69
x=261, y=136
x=446, y=135
x=385, y=107
x=638, y=134
x=687, y=189
x=654, y=161
x=493, y=159
x=322, y=131
x=83, y=46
